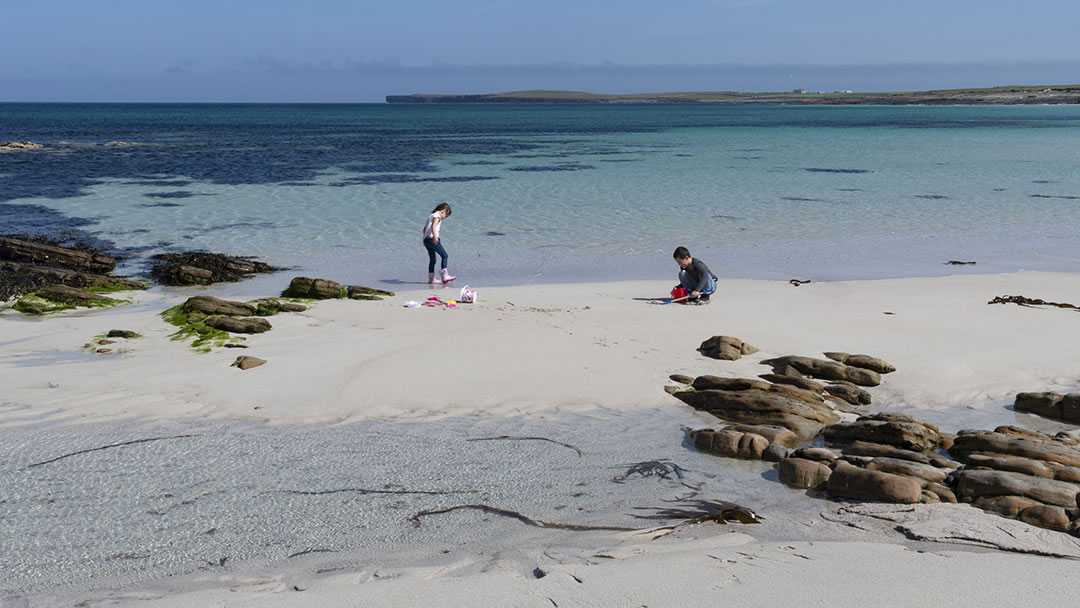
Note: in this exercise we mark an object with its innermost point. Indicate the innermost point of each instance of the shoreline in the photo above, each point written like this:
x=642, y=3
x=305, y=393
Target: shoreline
x=263, y=500
x=533, y=348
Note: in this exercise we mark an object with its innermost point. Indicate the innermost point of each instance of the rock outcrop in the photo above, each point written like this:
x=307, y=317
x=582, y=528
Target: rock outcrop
x=804, y=417
x=895, y=430
x=1065, y=407
x=204, y=268
x=210, y=322
x=1021, y=474
x=848, y=481
x=864, y=361
x=826, y=370
x=730, y=443
x=325, y=289
x=32, y=252
x=29, y=265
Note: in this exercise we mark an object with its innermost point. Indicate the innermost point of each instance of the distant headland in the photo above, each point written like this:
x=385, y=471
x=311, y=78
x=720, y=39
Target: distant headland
x=1005, y=95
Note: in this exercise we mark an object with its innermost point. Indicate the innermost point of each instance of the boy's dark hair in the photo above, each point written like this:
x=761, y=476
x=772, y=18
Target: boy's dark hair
x=681, y=253
x=442, y=207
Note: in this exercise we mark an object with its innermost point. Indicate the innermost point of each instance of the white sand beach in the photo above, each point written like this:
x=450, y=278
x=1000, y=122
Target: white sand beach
x=539, y=352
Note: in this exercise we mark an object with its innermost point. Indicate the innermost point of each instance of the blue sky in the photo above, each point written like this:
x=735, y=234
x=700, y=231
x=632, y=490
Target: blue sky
x=361, y=51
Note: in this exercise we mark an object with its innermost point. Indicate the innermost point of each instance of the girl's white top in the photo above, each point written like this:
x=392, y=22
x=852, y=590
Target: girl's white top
x=431, y=229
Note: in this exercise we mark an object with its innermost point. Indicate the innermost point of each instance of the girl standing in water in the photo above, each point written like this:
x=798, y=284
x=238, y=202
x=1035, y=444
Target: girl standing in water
x=434, y=245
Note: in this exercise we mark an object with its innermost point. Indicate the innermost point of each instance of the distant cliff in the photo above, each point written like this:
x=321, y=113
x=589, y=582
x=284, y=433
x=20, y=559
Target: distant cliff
x=1007, y=95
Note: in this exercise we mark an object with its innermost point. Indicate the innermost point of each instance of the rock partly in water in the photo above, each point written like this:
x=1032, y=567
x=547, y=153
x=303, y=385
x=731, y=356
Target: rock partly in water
x=204, y=268
x=802, y=473
x=775, y=434
x=1065, y=407
x=775, y=453
x=732, y=444
x=44, y=254
x=18, y=146
x=851, y=482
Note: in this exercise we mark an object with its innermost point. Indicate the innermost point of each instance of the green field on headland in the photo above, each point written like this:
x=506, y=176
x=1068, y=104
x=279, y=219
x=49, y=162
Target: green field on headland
x=1005, y=95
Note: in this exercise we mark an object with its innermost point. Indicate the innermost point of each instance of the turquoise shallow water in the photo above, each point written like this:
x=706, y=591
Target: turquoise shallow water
x=558, y=193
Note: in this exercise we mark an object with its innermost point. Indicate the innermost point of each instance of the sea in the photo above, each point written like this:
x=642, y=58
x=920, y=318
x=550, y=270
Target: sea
x=117, y=512
x=555, y=193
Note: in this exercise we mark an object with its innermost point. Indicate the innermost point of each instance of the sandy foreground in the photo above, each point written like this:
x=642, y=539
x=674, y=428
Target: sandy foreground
x=536, y=351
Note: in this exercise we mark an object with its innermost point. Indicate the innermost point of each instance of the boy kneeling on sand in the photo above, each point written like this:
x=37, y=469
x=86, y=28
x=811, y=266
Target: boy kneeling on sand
x=694, y=276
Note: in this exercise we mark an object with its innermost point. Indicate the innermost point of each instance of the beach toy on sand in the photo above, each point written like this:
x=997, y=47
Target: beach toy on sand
x=412, y=304
x=436, y=301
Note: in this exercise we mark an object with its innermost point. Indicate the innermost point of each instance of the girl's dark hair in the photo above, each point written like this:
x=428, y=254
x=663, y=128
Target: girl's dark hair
x=442, y=207
x=681, y=253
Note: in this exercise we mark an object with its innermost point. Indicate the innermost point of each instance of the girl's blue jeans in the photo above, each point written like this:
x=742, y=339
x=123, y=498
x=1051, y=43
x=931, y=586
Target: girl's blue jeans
x=432, y=249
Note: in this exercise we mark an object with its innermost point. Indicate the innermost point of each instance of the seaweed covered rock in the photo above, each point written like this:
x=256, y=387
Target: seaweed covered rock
x=204, y=268
x=725, y=348
x=209, y=305
x=122, y=333
x=54, y=298
x=27, y=265
x=210, y=322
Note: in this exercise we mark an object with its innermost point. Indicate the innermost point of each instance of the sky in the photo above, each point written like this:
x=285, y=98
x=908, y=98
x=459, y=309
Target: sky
x=361, y=51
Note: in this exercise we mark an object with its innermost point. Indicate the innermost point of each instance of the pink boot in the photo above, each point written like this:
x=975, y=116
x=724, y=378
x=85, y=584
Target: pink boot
x=432, y=280
x=446, y=278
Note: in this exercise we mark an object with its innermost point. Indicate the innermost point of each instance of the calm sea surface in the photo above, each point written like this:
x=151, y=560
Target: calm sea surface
x=557, y=193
